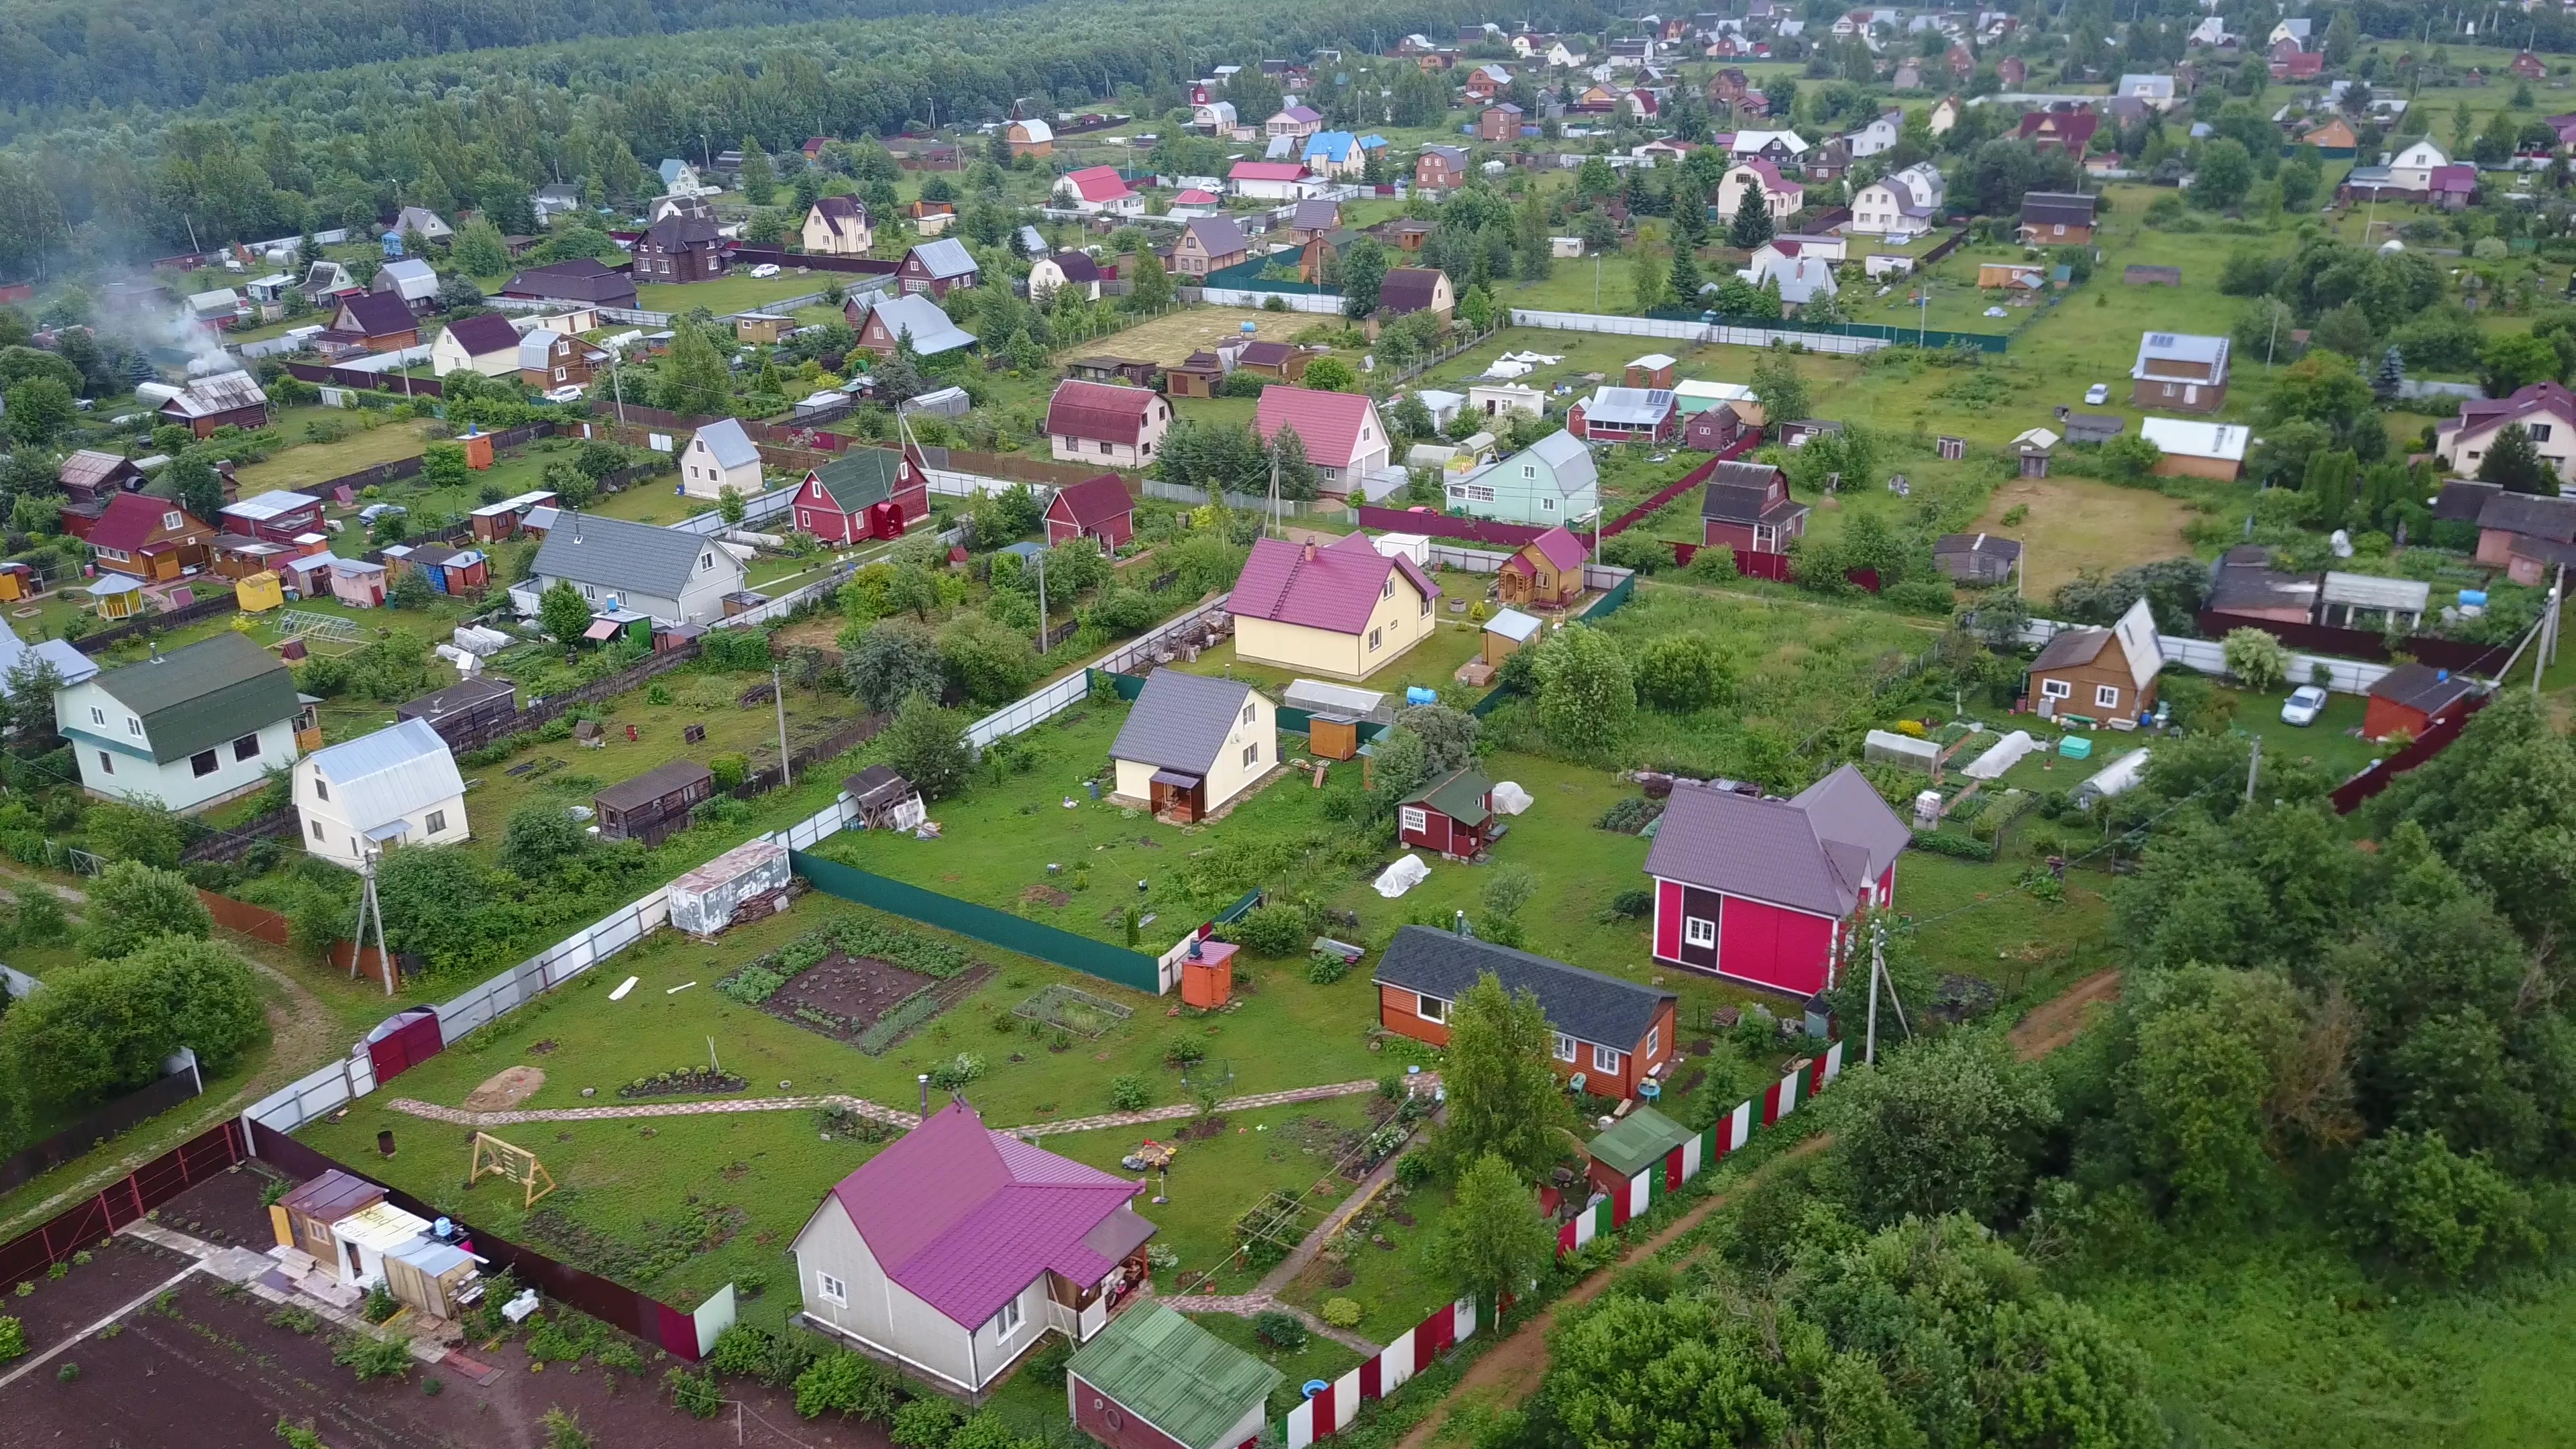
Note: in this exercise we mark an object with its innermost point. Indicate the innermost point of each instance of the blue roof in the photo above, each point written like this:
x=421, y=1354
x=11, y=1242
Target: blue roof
x=1334, y=146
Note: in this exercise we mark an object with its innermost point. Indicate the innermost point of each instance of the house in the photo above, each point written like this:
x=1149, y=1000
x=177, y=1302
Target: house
x=549, y=360
x=1879, y=135
x=916, y=320
x=2015, y=276
x=2095, y=428
x=273, y=517
x=2244, y=582
x=1209, y=244
x=1945, y=114
x=1486, y=82
x=2068, y=131
x=1976, y=558
x=674, y=576
x=680, y=178
x=936, y=267
x=1502, y=399
x=1552, y=481
x=654, y=805
x=1624, y=414
x=1298, y=121
x=1103, y=367
x=1341, y=609
x=468, y=709
x=2546, y=412
x=1452, y=814
x=838, y=226
x=2409, y=698
x=1546, y=572
x=1746, y=507
x=2294, y=30
x=1607, y=1034
x=1321, y=253
x=1030, y=138
x=2513, y=527
x=377, y=321
x=2156, y=91
x=930, y=218
x=397, y=786
x=720, y=456
x=560, y=198
x=864, y=493
x=1051, y=274
x=2452, y=188
x=1440, y=168
x=1343, y=436
x=412, y=281
x=184, y=730
x=1902, y=203
x=1712, y=430
x=1192, y=744
x=1112, y=425
x=1154, y=1380
x=1098, y=507
x=1788, y=268
x=148, y=538
x=2196, y=449
x=1310, y=219
x=956, y=1249
x=584, y=280
x=486, y=345
x=1197, y=375
x=2527, y=66
x=1763, y=890
x=91, y=478
x=1407, y=290
x=1214, y=117
x=2179, y=372
x=2056, y=218
x=1761, y=180
x=2101, y=673
x=662, y=208
x=325, y=281
x=1500, y=121
x=680, y=249
x=2297, y=66
x=1097, y=191
x=1780, y=148
x=2412, y=169
x=1908, y=77
x=223, y=400
x=1272, y=180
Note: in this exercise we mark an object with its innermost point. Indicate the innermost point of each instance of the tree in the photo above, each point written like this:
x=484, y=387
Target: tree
x=759, y=178
x=895, y=660
x=563, y=614
x=104, y=1028
x=1504, y=1099
x=2257, y=659
x=1362, y=271
x=1492, y=1240
x=1781, y=391
x=132, y=904
x=38, y=410
x=480, y=250
x=540, y=837
x=2342, y=35
x=31, y=684
x=2225, y=174
x=1330, y=374
x=2389, y=383
x=2515, y=360
x=2347, y=330
x=1751, y=225
x=1650, y=273
x=1153, y=284
x=2192, y=1074
x=1951, y=1124
x=1586, y=691
x=729, y=505
x=1683, y=672
x=2514, y=461
x=991, y=662
x=693, y=376
x=138, y=832
x=927, y=745
x=443, y=465
x=2435, y=1211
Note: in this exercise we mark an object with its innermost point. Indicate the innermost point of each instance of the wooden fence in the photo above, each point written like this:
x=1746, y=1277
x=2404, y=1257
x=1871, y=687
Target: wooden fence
x=232, y=842
x=2452, y=654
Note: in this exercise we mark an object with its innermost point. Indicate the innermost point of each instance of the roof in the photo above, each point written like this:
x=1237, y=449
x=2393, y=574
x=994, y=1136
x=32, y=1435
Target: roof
x=462, y=695
x=1568, y=458
x=1462, y=795
x=944, y=257
x=2223, y=441
x=378, y=314
x=1178, y=1377
x=1328, y=423
x=1034, y=130
x=90, y=468
x=217, y=689
x=1101, y=411
x=1740, y=492
x=1514, y=625
x=484, y=334
x=132, y=518
x=731, y=446
x=652, y=785
x=2463, y=501
x=223, y=393
x=1559, y=547
x=682, y=232
x=861, y=477
x=583, y=279
x=965, y=1218
x=2531, y=515
x=1638, y=1141
x=412, y=279
x=1077, y=266
x=1334, y=586
x=2056, y=208
x=1316, y=215
x=276, y=503
x=2541, y=399
x=70, y=665
x=2244, y=579
x=380, y=778
x=1266, y=171
x=1813, y=852
x=1180, y=721
x=2422, y=687
x=919, y=318
x=1409, y=289
x=2370, y=591
x=2153, y=347
x=1218, y=236
x=876, y=783
x=1096, y=499
x=332, y=1196
x=1982, y=545
x=613, y=553
x=1098, y=183
x=1586, y=1005
x=2139, y=646
x=1629, y=406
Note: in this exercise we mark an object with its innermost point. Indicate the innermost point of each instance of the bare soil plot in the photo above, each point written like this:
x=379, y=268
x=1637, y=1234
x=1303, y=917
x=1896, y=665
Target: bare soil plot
x=1171, y=338
x=2076, y=523
x=505, y=1089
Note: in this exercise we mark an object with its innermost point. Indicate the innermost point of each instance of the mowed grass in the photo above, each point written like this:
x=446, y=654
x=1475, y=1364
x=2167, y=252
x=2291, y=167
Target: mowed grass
x=2074, y=524
x=725, y=296
x=1172, y=337
x=303, y=464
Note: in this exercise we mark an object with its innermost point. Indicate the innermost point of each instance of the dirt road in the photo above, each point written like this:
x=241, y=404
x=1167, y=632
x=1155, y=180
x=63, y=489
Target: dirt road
x=1510, y=1371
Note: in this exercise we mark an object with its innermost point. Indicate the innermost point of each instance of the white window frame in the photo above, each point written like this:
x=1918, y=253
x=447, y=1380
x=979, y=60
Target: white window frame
x=97, y=715
x=1604, y=1059
x=1431, y=1008
x=1565, y=1048
x=317, y=832
x=1698, y=931
x=321, y=788
x=1252, y=753
x=831, y=1289
x=106, y=763
x=1008, y=1320
x=2106, y=696
x=1414, y=817
x=134, y=726
x=1654, y=1040
x=1377, y=638
x=2056, y=689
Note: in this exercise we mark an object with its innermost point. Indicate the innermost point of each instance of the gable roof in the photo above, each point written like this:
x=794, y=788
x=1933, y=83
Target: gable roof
x=377, y=314
x=2056, y=208
x=1099, y=183
x=1638, y=1141
x=918, y=318
x=682, y=232
x=219, y=688
x=1463, y=795
x=2531, y=515
x=1568, y=460
x=861, y=477
x=1078, y=267
x=1586, y=1005
x=1100, y=411
x=2546, y=398
x=1328, y=423
x=1180, y=721
x=413, y=279
x=484, y=334
x=1409, y=289
x=841, y=215
x=1334, y=586
x=2140, y=647
x=132, y=518
x=613, y=553
x=1266, y=171
x=1628, y=406
x=90, y=468
x=1316, y=214
x=1094, y=500
x=583, y=279
x=728, y=443
x=1740, y=492
x=965, y=1218
x=1815, y=851
x=2223, y=441
x=1218, y=236
x=2419, y=686
x=2187, y=347
x=943, y=258
x=1176, y=1376
x=379, y=778
x=2073, y=128
x=1562, y=550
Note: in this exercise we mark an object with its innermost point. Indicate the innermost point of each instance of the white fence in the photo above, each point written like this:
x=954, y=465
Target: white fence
x=1329, y=303
x=954, y=484
x=1703, y=333
x=753, y=510
x=2209, y=656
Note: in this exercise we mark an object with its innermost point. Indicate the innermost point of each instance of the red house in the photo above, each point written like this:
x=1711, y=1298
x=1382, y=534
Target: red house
x=1623, y=414
x=1098, y=508
x=1609, y=1035
x=1746, y=507
x=864, y=493
x=1453, y=815
x=273, y=517
x=2408, y=698
x=2067, y=131
x=1763, y=891
x=1713, y=431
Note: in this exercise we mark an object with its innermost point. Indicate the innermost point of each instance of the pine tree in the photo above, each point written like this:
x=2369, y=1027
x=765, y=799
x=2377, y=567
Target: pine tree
x=2391, y=379
x=2515, y=463
x=1686, y=278
x=1752, y=224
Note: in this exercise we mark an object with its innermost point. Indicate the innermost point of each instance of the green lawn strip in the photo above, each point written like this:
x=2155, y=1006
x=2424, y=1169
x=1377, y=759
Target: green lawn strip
x=1321, y=1358
x=304, y=464
x=1387, y=1262
x=726, y=296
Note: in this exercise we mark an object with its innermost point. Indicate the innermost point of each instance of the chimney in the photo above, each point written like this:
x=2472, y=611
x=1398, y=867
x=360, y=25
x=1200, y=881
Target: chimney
x=1307, y=550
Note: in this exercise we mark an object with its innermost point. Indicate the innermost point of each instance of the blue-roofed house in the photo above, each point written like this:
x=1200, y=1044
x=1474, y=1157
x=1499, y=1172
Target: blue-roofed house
x=1340, y=153
x=398, y=786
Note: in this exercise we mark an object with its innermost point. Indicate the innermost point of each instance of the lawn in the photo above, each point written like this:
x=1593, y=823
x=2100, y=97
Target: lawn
x=726, y=296
x=303, y=464
x=1383, y=1264
x=2073, y=524
x=1172, y=337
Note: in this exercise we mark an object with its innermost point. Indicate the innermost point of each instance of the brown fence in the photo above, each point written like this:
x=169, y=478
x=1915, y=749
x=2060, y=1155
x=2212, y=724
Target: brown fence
x=2452, y=654
x=233, y=843
x=108, y=1121
x=256, y=922
x=145, y=624
x=861, y=266
x=2436, y=738
x=545, y=711
x=324, y=375
x=88, y=1223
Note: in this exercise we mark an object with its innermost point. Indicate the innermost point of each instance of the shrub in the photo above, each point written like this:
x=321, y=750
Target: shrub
x=1341, y=1313
x=847, y=1383
x=1129, y=1092
x=1714, y=566
x=13, y=1339
x=370, y=1357
x=563, y=1431
x=299, y=1436
x=2257, y=659
x=380, y=1304
x=1281, y=1330
x=67, y=1373
x=1414, y=1169
x=1047, y=1365
x=925, y=1423
x=694, y=1394
x=1326, y=968
x=1632, y=904
x=617, y=1353
x=2435, y=1211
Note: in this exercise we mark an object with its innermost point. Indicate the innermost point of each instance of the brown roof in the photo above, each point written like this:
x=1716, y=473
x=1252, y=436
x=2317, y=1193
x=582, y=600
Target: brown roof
x=1094, y=500
x=2071, y=648
x=1408, y=289
x=1741, y=493
x=1101, y=411
x=2421, y=687
x=379, y=314
x=332, y=1196
x=2529, y=513
x=1263, y=354
x=652, y=785
x=2462, y=502
x=90, y=468
x=485, y=334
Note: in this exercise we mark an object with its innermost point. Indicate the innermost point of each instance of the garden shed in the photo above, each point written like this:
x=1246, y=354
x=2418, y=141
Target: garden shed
x=745, y=883
x=881, y=799
x=655, y=804
x=1636, y=1142
x=1154, y=1380
x=1507, y=633
x=1453, y=815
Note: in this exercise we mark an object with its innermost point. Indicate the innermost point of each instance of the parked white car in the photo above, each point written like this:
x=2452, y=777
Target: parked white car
x=569, y=392
x=2303, y=706
x=2098, y=394
x=765, y=269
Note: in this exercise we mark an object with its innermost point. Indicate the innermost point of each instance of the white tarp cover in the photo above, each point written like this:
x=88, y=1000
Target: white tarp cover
x=1511, y=799
x=2002, y=755
x=1407, y=872
x=2113, y=779
x=1893, y=748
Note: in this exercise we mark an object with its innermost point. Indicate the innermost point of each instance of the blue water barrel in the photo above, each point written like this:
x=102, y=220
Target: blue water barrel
x=2476, y=597
x=1416, y=694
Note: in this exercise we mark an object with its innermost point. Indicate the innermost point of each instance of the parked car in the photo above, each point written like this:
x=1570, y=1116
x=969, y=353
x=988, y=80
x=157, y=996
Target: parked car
x=569, y=392
x=765, y=269
x=2098, y=394
x=2304, y=705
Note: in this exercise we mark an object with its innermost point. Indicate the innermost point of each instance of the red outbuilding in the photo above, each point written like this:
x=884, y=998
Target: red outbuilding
x=2408, y=698
x=1606, y=1036
x=864, y=493
x=1453, y=815
x=1096, y=508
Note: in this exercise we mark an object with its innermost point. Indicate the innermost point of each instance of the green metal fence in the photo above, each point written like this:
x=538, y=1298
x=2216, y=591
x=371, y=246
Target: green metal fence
x=1246, y=277
x=1878, y=331
x=1114, y=964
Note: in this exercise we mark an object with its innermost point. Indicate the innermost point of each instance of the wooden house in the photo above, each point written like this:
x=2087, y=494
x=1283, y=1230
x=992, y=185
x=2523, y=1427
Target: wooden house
x=1098, y=508
x=1607, y=1036
x=1209, y=244
x=1746, y=507
x=1546, y=572
x=1453, y=815
x=864, y=493
x=1764, y=890
x=1193, y=744
x=148, y=538
x=655, y=804
x=680, y=248
x=2100, y=673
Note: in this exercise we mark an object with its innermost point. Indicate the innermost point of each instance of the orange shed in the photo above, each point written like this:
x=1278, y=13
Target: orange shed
x=478, y=450
x=1332, y=737
x=1207, y=977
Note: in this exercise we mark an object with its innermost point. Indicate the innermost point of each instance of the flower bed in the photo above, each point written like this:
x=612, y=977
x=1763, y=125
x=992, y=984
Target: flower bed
x=684, y=1082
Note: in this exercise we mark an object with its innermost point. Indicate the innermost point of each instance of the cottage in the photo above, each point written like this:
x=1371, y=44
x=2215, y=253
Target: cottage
x=674, y=576
x=1407, y=290
x=1452, y=814
x=1052, y=274
x=376, y=321
x=2101, y=673
x=955, y=1250
x=1746, y=507
x=1624, y=414
x=2546, y=412
x=586, y=281
x=1154, y=1380
x=679, y=249
x=1192, y=744
x=470, y=709
x=1546, y=572
x=148, y=538
x=2412, y=169
x=1341, y=609
x=226, y=399
x=1296, y=120
x=1552, y=481
x=2056, y=218
x=1209, y=244
x=720, y=456
x=838, y=226
x=1440, y=168
x=185, y=730
x=864, y=493
x=2195, y=449
x=1500, y=121
x=654, y=805
x=413, y=281
x=486, y=345
x=1608, y=1036
x=1696, y=395
x=91, y=478
x=1763, y=890
x=1099, y=508
x=1273, y=180
x=2409, y=698
x=1504, y=399
x=931, y=218
x=1343, y=436
x=1713, y=430
x=397, y=786
x=893, y=322
x=1791, y=270
x=1759, y=180
x=2179, y=372
x=2070, y=131
x=1110, y=424
x=1097, y=191
x=550, y=359
x=275, y=516
x=1031, y=138
x=1976, y=558
x=935, y=268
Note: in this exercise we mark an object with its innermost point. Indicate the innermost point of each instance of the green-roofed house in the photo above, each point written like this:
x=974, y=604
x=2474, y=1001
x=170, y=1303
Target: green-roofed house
x=1453, y=815
x=188, y=729
x=864, y=493
x=1154, y=1380
x=1634, y=1143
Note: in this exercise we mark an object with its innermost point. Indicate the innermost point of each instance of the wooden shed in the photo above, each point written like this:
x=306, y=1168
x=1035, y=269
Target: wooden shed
x=303, y=1218
x=439, y=1279
x=655, y=804
x=1332, y=736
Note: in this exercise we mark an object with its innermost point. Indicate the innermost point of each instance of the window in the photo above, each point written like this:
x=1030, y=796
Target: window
x=106, y=763
x=2106, y=696
x=204, y=762
x=1698, y=931
x=246, y=748
x=97, y=715
x=1376, y=637
x=1426, y=603
x=134, y=726
x=117, y=554
x=1415, y=818
x=2055, y=689
x=1432, y=1008
x=1654, y=1040
x=1387, y=590
x=1247, y=713
x=1104, y=447
x=1529, y=470
x=436, y=823
x=832, y=1289
x=171, y=519
x=321, y=788
x=1007, y=1322
x=1604, y=1059
x=706, y=561
x=1564, y=1047
x=1252, y=753
x=1547, y=505
x=588, y=592
x=317, y=831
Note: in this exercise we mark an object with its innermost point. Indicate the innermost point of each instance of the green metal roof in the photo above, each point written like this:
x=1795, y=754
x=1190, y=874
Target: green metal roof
x=1640, y=1140
x=1460, y=795
x=861, y=477
x=1173, y=1374
x=214, y=690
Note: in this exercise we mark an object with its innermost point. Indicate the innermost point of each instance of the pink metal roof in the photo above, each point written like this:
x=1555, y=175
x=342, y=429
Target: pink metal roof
x=965, y=1218
x=1334, y=587
x=1267, y=171
x=1560, y=548
x=1099, y=183
x=1195, y=197
x=1328, y=423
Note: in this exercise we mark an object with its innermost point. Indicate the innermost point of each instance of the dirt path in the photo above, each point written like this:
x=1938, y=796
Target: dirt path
x=1510, y=1371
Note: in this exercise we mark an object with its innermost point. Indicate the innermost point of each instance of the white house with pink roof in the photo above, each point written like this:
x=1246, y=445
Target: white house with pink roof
x=1343, y=436
x=956, y=1250
x=1097, y=191
x=1782, y=197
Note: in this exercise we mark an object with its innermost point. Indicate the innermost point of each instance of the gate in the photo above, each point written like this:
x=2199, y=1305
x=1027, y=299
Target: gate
x=404, y=1040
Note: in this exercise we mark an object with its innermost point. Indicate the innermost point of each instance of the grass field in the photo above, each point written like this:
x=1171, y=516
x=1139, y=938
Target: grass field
x=302, y=464
x=2074, y=524
x=1172, y=337
x=725, y=296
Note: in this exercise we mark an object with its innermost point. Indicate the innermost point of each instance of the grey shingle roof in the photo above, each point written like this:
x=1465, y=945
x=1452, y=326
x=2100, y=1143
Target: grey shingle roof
x=1583, y=1004
x=616, y=554
x=1813, y=852
x=2529, y=513
x=2421, y=687
x=1180, y=721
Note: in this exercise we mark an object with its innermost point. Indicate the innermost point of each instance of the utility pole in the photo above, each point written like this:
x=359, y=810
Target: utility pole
x=2253, y=768
x=2548, y=640
x=1877, y=964
x=1042, y=607
x=778, y=696
x=370, y=907
x=1275, y=530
